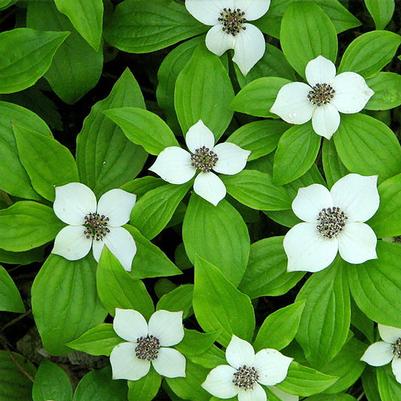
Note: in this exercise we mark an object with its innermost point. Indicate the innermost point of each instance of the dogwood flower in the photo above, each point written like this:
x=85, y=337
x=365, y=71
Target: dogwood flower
x=389, y=350
x=147, y=344
x=230, y=28
x=93, y=224
x=177, y=166
x=333, y=221
x=246, y=371
x=326, y=96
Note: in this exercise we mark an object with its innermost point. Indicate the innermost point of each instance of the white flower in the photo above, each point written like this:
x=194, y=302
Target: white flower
x=333, y=221
x=246, y=372
x=177, y=166
x=326, y=96
x=230, y=29
x=92, y=224
x=147, y=344
x=383, y=352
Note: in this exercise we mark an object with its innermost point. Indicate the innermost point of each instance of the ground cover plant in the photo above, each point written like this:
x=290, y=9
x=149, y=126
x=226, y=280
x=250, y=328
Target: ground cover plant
x=200, y=200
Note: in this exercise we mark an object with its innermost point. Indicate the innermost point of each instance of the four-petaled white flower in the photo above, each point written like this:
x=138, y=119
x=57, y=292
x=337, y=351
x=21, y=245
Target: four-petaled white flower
x=147, y=344
x=177, y=166
x=333, y=221
x=326, y=96
x=93, y=224
x=389, y=350
x=230, y=29
x=246, y=372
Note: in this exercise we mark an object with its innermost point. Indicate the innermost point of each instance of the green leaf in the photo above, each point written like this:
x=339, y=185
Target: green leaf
x=257, y=191
x=196, y=343
x=381, y=11
x=369, y=382
x=259, y=137
x=213, y=357
x=266, y=274
x=333, y=167
x=332, y=397
x=155, y=209
x=219, y=306
x=388, y=386
x=74, y=306
x=100, y=340
x=347, y=365
x=103, y=167
x=341, y=18
x=58, y=168
x=370, y=52
x=305, y=381
x=6, y=3
x=218, y=234
x=27, y=57
x=98, y=384
x=179, y=299
x=13, y=177
x=376, y=284
x=272, y=64
x=27, y=225
x=189, y=387
x=146, y=388
x=287, y=218
x=51, y=383
x=76, y=67
x=306, y=33
x=280, y=327
x=387, y=220
x=149, y=260
x=367, y=146
x=117, y=289
x=10, y=298
x=35, y=100
x=140, y=186
x=21, y=258
x=87, y=18
x=143, y=128
x=139, y=26
x=326, y=319
x=15, y=385
x=387, y=88
x=362, y=323
x=257, y=98
x=298, y=147
x=200, y=95
x=170, y=68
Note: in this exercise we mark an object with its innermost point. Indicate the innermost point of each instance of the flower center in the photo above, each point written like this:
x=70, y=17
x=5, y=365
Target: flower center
x=321, y=94
x=397, y=348
x=147, y=348
x=331, y=222
x=232, y=20
x=96, y=226
x=245, y=377
x=204, y=159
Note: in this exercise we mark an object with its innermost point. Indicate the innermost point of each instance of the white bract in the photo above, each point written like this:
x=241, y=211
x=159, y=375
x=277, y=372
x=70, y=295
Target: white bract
x=326, y=96
x=93, y=224
x=177, y=166
x=230, y=29
x=246, y=371
x=333, y=221
x=389, y=350
x=147, y=344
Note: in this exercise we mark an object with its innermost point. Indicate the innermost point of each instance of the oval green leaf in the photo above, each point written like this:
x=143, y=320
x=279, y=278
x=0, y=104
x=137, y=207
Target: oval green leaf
x=218, y=234
x=306, y=33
